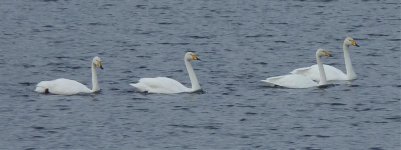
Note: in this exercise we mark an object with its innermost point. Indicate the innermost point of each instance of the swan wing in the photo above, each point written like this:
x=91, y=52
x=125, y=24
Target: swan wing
x=312, y=72
x=291, y=81
x=62, y=87
x=160, y=85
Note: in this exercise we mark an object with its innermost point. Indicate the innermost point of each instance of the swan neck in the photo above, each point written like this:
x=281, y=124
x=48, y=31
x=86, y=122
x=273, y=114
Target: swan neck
x=322, y=73
x=348, y=65
x=95, y=84
x=192, y=76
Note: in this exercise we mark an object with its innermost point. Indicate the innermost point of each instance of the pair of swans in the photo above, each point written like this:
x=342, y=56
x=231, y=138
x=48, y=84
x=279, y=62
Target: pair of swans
x=301, y=81
x=151, y=85
x=306, y=77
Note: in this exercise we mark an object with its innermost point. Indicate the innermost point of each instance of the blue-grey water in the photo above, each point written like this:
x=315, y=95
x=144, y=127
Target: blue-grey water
x=239, y=42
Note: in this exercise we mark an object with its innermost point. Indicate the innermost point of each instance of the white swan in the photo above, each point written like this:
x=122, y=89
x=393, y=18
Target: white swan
x=70, y=87
x=332, y=72
x=167, y=85
x=300, y=81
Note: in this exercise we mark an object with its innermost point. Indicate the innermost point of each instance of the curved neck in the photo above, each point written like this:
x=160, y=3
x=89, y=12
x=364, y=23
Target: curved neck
x=192, y=76
x=321, y=71
x=95, y=84
x=348, y=65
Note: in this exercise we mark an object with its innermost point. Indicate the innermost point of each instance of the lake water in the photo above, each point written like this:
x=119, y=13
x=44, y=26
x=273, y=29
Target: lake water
x=239, y=42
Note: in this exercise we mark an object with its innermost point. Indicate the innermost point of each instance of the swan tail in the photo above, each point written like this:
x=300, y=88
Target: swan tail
x=41, y=87
x=272, y=80
x=139, y=87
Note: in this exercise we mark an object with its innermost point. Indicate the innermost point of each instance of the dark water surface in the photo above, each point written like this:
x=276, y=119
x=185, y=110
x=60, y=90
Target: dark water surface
x=239, y=44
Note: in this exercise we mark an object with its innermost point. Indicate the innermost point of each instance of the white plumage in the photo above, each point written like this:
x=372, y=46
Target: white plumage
x=291, y=81
x=312, y=72
x=160, y=85
x=62, y=87
x=300, y=81
x=167, y=85
x=332, y=73
x=70, y=87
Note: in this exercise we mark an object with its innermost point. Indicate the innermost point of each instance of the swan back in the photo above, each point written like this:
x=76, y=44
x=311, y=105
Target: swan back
x=291, y=81
x=312, y=72
x=160, y=85
x=62, y=86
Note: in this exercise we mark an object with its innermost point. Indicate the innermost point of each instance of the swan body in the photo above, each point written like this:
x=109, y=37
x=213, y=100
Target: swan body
x=170, y=86
x=300, y=81
x=160, y=85
x=291, y=81
x=332, y=72
x=62, y=87
x=70, y=87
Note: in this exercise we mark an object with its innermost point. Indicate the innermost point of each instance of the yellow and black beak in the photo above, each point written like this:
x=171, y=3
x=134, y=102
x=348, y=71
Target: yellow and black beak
x=328, y=54
x=354, y=43
x=195, y=57
x=100, y=65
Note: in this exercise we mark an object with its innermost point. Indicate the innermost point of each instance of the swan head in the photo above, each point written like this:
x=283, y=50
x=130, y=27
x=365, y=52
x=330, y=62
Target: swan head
x=97, y=62
x=322, y=52
x=191, y=56
x=349, y=41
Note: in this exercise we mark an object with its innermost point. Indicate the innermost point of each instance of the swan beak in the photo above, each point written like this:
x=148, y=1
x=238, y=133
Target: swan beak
x=327, y=54
x=354, y=43
x=100, y=65
x=195, y=57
